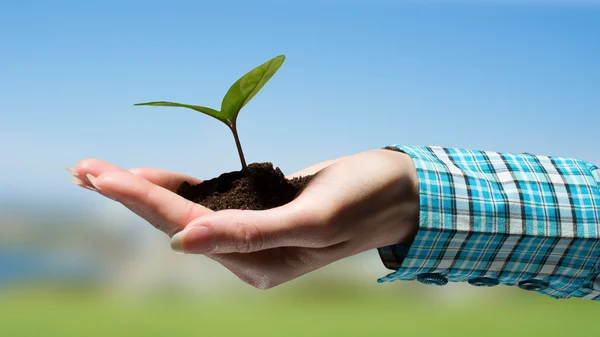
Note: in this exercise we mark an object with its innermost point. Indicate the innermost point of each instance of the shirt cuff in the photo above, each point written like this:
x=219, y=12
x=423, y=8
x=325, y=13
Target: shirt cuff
x=490, y=218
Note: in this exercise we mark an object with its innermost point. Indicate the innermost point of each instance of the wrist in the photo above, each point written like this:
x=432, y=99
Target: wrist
x=406, y=199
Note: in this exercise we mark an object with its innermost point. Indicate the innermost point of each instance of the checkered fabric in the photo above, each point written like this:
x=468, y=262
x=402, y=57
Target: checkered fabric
x=510, y=217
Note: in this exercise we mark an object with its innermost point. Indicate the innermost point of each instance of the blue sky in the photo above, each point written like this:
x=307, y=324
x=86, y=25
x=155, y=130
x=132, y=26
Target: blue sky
x=505, y=76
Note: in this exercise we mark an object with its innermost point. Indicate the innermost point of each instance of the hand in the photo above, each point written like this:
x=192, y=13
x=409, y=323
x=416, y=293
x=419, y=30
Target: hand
x=351, y=205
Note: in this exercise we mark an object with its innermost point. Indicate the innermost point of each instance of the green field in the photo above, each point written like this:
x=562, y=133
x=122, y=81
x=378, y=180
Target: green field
x=301, y=314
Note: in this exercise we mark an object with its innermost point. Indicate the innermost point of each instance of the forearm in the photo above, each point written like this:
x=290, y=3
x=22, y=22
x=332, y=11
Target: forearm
x=489, y=218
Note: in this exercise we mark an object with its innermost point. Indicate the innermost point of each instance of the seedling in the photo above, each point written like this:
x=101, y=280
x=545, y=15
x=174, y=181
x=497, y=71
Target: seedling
x=240, y=93
x=257, y=186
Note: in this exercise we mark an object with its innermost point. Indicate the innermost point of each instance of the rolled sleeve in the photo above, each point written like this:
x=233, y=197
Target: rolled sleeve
x=491, y=218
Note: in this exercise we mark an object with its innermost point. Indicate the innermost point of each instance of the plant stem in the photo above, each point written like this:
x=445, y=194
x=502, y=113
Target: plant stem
x=233, y=128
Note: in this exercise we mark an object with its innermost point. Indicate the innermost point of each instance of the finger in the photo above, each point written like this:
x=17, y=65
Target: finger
x=243, y=231
x=92, y=166
x=164, y=209
x=166, y=179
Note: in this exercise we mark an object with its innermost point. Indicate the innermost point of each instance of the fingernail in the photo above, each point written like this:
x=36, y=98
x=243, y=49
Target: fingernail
x=196, y=240
x=76, y=180
x=80, y=183
x=92, y=180
x=71, y=171
x=177, y=242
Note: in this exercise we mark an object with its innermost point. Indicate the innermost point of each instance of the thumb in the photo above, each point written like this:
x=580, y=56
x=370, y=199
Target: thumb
x=244, y=231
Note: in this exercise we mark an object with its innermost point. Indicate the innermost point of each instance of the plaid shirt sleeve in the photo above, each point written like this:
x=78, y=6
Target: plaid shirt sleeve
x=491, y=218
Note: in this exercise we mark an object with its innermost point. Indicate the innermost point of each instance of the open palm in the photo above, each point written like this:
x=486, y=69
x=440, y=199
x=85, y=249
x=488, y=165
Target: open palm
x=351, y=205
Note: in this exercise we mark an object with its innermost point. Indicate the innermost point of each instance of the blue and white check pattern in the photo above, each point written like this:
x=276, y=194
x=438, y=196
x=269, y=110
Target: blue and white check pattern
x=511, y=217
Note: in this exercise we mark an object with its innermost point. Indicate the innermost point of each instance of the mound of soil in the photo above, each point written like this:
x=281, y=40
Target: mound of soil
x=258, y=187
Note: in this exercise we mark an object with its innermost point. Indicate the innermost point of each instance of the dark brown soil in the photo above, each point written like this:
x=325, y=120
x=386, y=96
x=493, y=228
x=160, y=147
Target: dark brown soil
x=258, y=187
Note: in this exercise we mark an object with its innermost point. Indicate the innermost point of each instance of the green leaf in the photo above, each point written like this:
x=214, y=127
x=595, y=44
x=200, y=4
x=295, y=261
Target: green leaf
x=242, y=91
x=211, y=112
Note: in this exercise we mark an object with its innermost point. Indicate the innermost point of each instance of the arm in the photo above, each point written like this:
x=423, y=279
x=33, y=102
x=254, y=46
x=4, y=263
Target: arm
x=522, y=220
x=489, y=218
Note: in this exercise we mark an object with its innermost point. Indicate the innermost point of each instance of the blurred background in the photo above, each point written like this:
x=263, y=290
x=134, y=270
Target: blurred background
x=518, y=76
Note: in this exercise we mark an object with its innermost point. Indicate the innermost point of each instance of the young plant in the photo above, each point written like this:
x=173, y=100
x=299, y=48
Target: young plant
x=240, y=93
